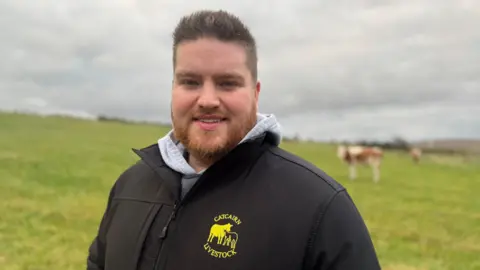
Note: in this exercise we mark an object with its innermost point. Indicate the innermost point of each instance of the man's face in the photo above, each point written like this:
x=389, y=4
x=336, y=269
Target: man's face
x=214, y=99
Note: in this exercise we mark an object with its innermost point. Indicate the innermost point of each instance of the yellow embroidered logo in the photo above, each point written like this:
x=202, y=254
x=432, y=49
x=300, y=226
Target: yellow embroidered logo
x=222, y=240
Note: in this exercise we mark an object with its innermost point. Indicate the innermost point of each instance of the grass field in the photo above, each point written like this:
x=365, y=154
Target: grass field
x=55, y=174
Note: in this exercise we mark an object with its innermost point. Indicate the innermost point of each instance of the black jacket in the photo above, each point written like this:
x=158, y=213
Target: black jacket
x=260, y=207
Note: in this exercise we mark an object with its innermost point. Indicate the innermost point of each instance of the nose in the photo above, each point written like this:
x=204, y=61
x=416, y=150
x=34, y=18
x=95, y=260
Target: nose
x=208, y=97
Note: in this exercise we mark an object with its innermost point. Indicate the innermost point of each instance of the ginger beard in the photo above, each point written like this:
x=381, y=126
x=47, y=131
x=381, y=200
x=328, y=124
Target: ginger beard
x=212, y=145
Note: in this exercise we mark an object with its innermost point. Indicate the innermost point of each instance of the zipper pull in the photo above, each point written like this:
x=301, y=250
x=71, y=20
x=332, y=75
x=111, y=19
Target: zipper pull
x=174, y=214
x=164, y=232
x=163, y=235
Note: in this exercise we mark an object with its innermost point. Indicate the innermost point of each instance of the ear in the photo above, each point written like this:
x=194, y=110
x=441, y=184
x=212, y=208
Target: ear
x=257, y=93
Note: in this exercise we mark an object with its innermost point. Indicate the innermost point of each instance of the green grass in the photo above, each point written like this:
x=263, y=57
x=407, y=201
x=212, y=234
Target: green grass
x=55, y=174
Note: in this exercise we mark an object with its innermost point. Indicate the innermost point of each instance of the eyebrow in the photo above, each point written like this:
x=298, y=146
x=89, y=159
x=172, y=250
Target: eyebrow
x=233, y=75
x=226, y=75
x=186, y=74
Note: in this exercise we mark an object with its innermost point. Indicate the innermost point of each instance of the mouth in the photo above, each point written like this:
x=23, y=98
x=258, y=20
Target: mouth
x=209, y=123
x=210, y=119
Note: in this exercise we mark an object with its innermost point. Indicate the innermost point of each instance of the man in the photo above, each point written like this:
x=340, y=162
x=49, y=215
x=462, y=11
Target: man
x=217, y=192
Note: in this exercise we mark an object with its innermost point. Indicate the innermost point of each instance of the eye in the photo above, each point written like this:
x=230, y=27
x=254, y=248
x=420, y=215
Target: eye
x=189, y=82
x=229, y=84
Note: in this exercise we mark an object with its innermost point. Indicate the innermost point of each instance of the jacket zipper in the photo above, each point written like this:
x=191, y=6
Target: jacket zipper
x=176, y=207
x=163, y=235
x=164, y=232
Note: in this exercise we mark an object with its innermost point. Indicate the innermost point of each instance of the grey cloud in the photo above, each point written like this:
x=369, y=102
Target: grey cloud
x=411, y=122
x=324, y=60
x=396, y=58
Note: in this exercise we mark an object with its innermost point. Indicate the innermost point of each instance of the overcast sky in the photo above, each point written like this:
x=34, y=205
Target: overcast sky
x=336, y=69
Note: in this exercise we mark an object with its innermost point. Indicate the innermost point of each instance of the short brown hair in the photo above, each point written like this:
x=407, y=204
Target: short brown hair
x=220, y=25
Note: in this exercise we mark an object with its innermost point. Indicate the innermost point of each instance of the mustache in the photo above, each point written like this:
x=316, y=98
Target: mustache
x=209, y=112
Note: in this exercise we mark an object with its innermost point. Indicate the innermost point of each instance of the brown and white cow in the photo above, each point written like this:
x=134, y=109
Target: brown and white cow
x=361, y=155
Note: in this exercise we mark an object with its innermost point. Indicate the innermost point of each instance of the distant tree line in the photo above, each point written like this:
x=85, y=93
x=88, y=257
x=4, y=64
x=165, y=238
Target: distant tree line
x=395, y=144
x=400, y=144
x=105, y=118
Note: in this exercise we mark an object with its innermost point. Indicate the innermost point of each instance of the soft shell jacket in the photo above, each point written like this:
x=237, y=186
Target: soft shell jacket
x=259, y=207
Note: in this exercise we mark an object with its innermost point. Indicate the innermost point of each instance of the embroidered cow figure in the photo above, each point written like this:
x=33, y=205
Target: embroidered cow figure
x=219, y=231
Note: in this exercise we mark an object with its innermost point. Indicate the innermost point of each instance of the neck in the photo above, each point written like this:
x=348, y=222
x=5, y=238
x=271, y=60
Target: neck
x=200, y=163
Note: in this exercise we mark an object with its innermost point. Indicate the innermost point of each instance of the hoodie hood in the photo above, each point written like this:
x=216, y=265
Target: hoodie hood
x=173, y=151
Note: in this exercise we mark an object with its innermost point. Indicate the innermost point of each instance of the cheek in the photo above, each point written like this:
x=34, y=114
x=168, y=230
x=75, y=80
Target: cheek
x=181, y=104
x=239, y=104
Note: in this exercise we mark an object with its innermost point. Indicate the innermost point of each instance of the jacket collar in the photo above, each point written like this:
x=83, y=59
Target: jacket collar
x=234, y=163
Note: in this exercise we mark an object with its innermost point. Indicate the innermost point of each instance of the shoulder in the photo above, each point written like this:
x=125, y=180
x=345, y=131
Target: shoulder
x=303, y=172
x=329, y=212
x=287, y=178
x=133, y=181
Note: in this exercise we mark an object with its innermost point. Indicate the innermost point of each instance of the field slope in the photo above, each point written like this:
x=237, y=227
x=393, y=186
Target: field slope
x=55, y=174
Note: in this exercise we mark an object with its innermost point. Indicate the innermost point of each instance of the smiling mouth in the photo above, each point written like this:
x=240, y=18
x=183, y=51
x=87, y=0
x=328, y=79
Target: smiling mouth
x=209, y=120
x=210, y=123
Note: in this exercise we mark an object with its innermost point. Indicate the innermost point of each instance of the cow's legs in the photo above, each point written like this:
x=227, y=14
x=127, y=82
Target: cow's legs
x=376, y=173
x=352, y=171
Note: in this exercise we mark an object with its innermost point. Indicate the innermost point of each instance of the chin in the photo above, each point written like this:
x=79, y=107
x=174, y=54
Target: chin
x=208, y=141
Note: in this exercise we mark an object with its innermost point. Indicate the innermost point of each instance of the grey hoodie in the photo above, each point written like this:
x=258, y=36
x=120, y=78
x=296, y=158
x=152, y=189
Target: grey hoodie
x=172, y=151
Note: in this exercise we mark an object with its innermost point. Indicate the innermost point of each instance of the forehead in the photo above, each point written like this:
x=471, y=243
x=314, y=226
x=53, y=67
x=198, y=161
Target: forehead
x=211, y=57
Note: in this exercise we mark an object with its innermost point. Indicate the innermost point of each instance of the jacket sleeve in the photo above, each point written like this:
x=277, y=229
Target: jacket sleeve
x=96, y=251
x=341, y=240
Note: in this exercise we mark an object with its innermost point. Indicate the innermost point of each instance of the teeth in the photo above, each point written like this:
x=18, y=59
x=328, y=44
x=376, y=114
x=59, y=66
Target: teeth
x=210, y=120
